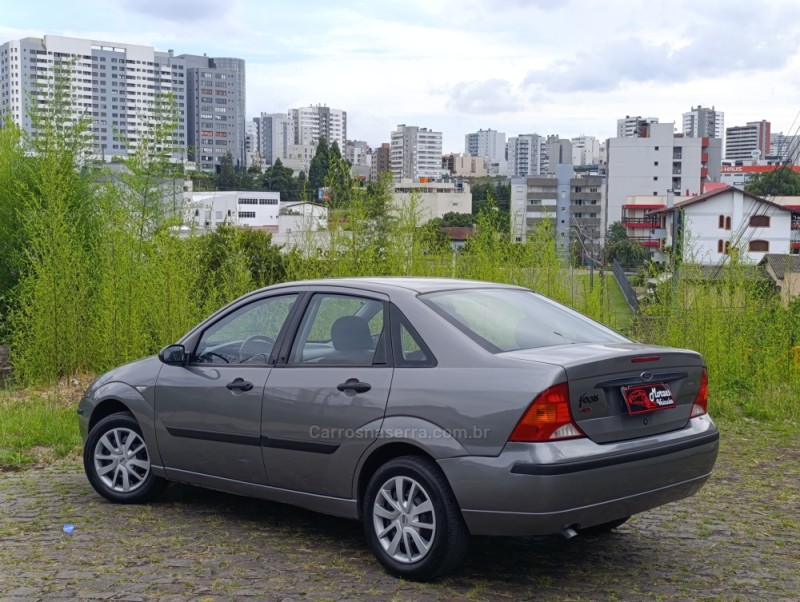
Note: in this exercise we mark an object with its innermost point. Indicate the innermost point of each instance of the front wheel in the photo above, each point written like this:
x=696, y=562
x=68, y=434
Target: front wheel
x=412, y=521
x=117, y=461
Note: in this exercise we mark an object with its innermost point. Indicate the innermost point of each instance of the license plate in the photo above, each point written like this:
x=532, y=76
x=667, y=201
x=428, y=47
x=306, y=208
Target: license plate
x=648, y=398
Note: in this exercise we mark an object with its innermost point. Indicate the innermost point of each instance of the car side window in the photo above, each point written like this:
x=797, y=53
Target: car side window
x=245, y=336
x=409, y=349
x=340, y=329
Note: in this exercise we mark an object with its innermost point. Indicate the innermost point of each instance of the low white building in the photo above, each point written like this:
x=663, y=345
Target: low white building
x=302, y=225
x=208, y=210
x=728, y=220
x=435, y=198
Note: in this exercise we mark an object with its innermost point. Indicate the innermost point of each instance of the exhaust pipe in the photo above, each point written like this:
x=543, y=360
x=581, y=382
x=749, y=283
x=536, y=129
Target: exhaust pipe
x=569, y=532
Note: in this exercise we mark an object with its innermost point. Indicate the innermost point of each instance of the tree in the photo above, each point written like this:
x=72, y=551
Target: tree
x=623, y=249
x=319, y=166
x=226, y=178
x=495, y=188
x=783, y=181
x=278, y=178
x=453, y=219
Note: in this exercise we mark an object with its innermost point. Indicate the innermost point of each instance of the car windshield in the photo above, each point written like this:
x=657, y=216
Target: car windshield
x=508, y=320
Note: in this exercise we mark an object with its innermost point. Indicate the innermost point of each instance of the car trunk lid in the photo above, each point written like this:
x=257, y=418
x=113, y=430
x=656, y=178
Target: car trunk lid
x=622, y=391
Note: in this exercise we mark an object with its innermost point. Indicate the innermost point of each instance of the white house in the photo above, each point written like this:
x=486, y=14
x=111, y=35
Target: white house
x=719, y=221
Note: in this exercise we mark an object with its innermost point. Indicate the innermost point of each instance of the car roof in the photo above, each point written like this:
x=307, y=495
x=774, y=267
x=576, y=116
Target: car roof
x=389, y=283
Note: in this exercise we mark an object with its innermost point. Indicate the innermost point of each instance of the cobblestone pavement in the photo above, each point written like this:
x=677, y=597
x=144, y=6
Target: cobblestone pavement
x=736, y=540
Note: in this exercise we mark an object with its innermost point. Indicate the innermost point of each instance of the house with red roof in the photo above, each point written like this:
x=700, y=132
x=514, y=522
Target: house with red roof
x=727, y=221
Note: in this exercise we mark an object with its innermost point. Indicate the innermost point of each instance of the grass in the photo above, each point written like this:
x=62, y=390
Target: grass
x=619, y=308
x=38, y=426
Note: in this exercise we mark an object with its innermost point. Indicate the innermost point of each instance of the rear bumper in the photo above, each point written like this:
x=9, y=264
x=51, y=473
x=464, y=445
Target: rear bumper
x=540, y=489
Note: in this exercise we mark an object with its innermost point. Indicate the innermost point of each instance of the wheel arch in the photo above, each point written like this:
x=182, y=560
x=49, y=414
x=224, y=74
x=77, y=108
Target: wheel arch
x=377, y=458
x=107, y=407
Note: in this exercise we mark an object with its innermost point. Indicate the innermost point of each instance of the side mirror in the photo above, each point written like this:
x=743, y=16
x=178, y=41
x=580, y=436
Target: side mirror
x=173, y=355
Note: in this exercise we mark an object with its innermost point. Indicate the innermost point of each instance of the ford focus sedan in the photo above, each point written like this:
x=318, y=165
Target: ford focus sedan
x=428, y=409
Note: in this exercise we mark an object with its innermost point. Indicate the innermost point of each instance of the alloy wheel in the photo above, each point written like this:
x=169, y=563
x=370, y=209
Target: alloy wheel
x=404, y=519
x=121, y=460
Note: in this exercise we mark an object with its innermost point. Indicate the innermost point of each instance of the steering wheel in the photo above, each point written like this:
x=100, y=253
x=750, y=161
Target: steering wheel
x=212, y=353
x=257, y=341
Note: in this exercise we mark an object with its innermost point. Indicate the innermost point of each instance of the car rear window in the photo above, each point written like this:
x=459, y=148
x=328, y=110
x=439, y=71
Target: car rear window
x=508, y=320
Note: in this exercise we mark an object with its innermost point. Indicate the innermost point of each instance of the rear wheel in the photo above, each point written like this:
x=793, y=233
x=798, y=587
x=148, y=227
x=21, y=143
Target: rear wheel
x=412, y=521
x=117, y=461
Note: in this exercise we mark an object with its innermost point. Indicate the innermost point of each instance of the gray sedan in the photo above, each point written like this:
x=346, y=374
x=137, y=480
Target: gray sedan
x=429, y=409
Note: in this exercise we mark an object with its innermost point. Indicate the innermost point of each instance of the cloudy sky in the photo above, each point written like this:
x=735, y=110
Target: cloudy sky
x=566, y=67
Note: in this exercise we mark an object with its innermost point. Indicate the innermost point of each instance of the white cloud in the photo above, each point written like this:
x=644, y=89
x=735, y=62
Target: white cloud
x=547, y=66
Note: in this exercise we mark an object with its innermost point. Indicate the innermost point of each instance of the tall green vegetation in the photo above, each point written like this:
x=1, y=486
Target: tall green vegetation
x=97, y=268
x=94, y=271
x=750, y=340
x=51, y=203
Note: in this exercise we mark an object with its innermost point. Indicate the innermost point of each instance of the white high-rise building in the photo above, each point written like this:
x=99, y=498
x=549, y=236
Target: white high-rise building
x=277, y=134
x=585, y=150
x=702, y=121
x=312, y=123
x=415, y=153
x=489, y=144
x=116, y=84
x=633, y=127
x=749, y=142
x=526, y=155
x=656, y=165
x=252, y=142
x=120, y=85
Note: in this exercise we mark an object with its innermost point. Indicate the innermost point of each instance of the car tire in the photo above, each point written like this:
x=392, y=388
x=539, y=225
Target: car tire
x=603, y=528
x=117, y=461
x=412, y=520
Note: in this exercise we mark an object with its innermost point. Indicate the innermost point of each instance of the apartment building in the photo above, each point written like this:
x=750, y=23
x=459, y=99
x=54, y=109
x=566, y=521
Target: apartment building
x=702, y=121
x=631, y=127
x=655, y=163
x=277, y=134
x=381, y=161
x=585, y=150
x=416, y=152
x=317, y=121
x=489, y=144
x=252, y=143
x=558, y=151
x=464, y=165
x=118, y=85
x=784, y=148
x=749, y=142
x=357, y=152
x=526, y=155
x=215, y=109
x=575, y=202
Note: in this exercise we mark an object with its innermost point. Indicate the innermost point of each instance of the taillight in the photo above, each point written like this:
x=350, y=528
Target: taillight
x=548, y=418
x=700, y=405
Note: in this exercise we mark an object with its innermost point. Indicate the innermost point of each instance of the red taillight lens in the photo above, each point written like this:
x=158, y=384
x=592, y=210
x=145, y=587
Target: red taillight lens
x=700, y=405
x=548, y=418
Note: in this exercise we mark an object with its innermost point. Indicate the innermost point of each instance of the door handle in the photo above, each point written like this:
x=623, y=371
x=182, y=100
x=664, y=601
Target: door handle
x=354, y=385
x=240, y=384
